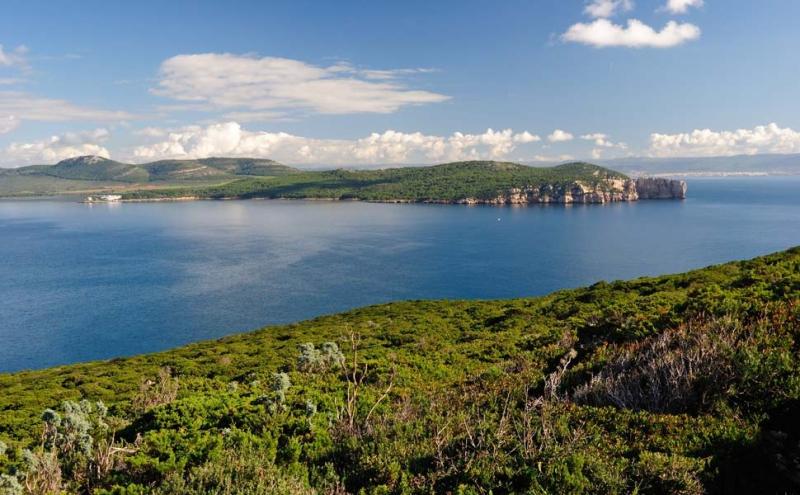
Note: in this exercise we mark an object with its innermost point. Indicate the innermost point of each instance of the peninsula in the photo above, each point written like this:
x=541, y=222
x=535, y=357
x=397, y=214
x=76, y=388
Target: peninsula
x=471, y=182
x=475, y=182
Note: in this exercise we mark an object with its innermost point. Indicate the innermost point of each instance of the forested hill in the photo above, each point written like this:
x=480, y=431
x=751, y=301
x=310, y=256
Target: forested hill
x=95, y=173
x=686, y=383
x=451, y=182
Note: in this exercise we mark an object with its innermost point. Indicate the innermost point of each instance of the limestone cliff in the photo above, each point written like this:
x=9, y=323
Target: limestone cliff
x=607, y=191
x=659, y=188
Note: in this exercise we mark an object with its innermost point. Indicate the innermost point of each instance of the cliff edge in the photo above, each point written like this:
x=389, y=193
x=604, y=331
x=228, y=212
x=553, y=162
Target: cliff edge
x=660, y=188
x=579, y=192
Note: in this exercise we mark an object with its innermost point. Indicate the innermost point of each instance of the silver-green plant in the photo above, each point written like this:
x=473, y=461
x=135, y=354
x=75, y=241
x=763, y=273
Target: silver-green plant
x=312, y=359
x=10, y=485
x=311, y=408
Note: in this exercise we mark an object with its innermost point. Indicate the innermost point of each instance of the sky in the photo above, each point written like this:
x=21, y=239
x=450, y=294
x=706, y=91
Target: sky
x=362, y=82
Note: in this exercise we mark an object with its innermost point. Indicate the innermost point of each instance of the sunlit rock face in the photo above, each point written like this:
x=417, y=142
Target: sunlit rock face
x=660, y=188
x=578, y=192
x=607, y=191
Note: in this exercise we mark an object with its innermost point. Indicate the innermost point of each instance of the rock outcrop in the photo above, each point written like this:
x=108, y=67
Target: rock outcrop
x=606, y=191
x=659, y=188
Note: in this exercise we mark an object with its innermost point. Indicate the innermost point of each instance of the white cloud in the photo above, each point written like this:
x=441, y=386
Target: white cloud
x=603, y=33
x=602, y=140
x=526, y=137
x=56, y=148
x=559, y=136
x=681, y=6
x=224, y=81
x=607, y=8
x=20, y=106
x=230, y=139
x=8, y=124
x=551, y=159
x=705, y=142
x=15, y=57
x=602, y=144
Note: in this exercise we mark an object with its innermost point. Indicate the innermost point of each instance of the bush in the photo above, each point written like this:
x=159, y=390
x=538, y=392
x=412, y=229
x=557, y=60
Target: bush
x=152, y=393
x=664, y=473
x=679, y=370
x=313, y=359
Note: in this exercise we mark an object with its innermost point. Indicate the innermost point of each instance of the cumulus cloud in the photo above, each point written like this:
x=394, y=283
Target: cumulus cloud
x=603, y=33
x=769, y=138
x=607, y=8
x=56, y=148
x=230, y=139
x=602, y=140
x=559, y=136
x=681, y=6
x=224, y=81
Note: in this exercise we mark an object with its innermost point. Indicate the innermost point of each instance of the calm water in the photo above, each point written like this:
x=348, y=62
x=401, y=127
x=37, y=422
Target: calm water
x=80, y=282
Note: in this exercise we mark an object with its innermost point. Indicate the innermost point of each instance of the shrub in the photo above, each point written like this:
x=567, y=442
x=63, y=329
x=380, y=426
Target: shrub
x=9, y=485
x=679, y=370
x=152, y=393
x=664, y=473
x=42, y=473
x=236, y=472
x=324, y=358
x=280, y=382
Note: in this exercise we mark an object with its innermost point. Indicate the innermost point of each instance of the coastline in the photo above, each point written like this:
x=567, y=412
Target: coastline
x=458, y=202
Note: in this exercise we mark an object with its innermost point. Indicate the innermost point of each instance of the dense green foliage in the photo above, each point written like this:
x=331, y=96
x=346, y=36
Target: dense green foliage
x=448, y=182
x=686, y=383
x=92, y=173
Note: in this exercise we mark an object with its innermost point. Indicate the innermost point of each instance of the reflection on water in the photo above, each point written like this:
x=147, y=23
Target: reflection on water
x=81, y=282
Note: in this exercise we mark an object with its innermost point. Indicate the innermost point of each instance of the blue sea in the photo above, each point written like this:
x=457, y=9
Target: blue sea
x=83, y=282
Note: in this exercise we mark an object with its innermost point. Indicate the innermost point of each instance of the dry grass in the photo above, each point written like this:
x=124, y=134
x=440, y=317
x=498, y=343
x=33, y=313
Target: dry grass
x=679, y=370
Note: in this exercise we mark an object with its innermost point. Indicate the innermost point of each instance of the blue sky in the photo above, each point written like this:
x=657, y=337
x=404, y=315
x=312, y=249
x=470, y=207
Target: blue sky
x=358, y=82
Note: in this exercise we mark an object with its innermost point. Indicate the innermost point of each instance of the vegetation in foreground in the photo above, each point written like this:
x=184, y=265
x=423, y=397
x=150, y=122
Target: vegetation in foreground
x=447, y=182
x=686, y=383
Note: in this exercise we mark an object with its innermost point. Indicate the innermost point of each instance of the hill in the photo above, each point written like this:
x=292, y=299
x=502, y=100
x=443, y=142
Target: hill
x=87, y=173
x=459, y=182
x=686, y=383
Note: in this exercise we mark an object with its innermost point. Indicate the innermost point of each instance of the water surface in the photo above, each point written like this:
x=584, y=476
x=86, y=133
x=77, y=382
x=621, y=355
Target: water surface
x=81, y=282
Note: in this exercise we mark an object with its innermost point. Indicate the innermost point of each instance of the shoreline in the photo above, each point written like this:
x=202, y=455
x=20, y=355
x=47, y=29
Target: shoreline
x=458, y=202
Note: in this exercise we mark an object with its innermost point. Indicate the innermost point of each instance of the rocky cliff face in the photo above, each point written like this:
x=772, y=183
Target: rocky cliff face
x=658, y=188
x=608, y=191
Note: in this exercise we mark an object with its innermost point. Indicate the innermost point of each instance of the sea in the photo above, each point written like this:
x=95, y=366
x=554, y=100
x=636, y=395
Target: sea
x=83, y=282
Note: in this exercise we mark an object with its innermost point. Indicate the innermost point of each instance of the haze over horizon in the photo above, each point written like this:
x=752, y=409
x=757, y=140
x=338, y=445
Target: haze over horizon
x=311, y=84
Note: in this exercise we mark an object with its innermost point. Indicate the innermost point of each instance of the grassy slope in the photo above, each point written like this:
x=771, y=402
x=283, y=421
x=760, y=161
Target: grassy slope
x=447, y=182
x=84, y=174
x=463, y=410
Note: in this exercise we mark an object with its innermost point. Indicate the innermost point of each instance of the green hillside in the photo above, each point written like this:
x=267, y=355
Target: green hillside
x=93, y=173
x=447, y=182
x=215, y=167
x=686, y=383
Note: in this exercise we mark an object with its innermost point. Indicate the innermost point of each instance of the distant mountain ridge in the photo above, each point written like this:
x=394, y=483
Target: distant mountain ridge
x=97, y=168
x=764, y=164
